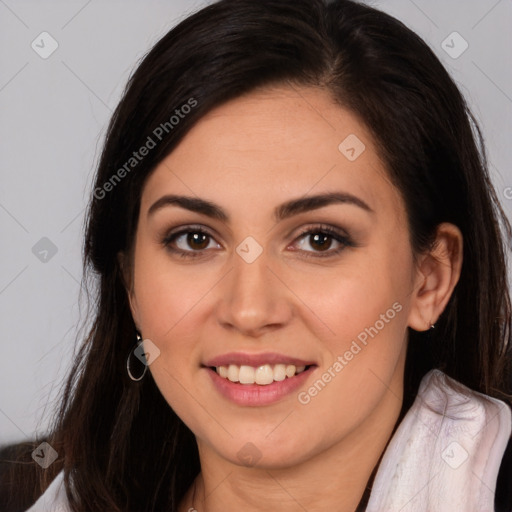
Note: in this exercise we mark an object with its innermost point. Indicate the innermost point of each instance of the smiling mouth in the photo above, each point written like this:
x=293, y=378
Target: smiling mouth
x=263, y=375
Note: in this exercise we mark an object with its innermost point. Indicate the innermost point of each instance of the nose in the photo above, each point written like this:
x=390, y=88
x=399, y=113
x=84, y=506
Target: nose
x=252, y=299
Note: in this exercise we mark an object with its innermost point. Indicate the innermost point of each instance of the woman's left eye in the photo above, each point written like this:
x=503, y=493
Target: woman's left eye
x=321, y=241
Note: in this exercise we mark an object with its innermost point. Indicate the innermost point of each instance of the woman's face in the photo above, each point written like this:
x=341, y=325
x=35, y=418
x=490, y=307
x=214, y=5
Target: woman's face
x=287, y=246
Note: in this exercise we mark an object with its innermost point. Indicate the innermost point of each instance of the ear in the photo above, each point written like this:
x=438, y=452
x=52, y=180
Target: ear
x=126, y=271
x=438, y=272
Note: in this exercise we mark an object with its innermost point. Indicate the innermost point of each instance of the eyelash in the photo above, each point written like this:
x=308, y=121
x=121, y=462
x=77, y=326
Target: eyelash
x=344, y=240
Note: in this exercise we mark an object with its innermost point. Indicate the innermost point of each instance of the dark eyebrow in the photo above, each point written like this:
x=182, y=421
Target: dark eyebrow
x=284, y=211
x=194, y=204
x=308, y=203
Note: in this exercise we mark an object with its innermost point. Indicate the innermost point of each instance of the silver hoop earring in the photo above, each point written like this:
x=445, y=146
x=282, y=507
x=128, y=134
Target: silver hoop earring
x=134, y=352
x=432, y=326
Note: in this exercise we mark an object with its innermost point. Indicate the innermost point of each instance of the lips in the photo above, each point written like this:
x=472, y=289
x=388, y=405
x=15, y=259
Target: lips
x=255, y=360
x=257, y=379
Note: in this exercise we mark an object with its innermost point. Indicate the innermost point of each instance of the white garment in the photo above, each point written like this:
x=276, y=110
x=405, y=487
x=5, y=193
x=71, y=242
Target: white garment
x=54, y=498
x=446, y=453
x=444, y=456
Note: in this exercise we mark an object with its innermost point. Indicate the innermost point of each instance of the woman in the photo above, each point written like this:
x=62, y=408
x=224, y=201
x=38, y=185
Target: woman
x=301, y=301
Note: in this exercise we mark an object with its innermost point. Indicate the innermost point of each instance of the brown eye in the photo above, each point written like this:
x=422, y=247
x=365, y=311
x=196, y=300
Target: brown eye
x=197, y=241
x=320, y=241
x=189, y=242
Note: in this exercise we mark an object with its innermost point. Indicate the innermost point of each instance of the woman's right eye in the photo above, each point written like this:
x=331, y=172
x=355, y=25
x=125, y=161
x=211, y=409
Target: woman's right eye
x=189, y=242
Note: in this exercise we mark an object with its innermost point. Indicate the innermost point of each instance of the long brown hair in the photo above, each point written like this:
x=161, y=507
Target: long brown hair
x=122, y=447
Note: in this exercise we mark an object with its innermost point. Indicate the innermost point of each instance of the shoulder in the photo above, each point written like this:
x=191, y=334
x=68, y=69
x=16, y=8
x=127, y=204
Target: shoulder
x=503, y=500
x=490, y=422
x=54, y=498
x=447, y=452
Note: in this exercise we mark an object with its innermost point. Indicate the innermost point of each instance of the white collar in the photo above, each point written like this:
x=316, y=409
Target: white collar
x=446, y=453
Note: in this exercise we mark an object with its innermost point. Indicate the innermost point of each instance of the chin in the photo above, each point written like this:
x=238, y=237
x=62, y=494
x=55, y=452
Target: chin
x=261, y=453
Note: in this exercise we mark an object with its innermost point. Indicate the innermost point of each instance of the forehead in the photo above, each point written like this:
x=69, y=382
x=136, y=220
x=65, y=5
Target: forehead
x=272, y=144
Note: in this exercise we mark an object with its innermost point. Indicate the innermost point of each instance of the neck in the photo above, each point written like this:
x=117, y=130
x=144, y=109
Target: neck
x=334, y=479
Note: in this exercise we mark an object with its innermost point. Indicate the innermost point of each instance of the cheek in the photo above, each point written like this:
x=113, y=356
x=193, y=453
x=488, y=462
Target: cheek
x=366, y=321
x=167, y=294
x=169, y=304
x=368, y=290
x=365, y=311
x=174, y=305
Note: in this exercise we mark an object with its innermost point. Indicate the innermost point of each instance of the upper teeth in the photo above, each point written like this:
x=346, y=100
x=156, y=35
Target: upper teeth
x=265, y=374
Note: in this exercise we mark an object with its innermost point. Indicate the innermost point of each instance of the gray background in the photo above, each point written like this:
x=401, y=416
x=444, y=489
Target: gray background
x=54, y=113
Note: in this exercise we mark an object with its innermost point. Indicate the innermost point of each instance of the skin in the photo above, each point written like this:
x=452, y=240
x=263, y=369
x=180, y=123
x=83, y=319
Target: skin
x=249, y=156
